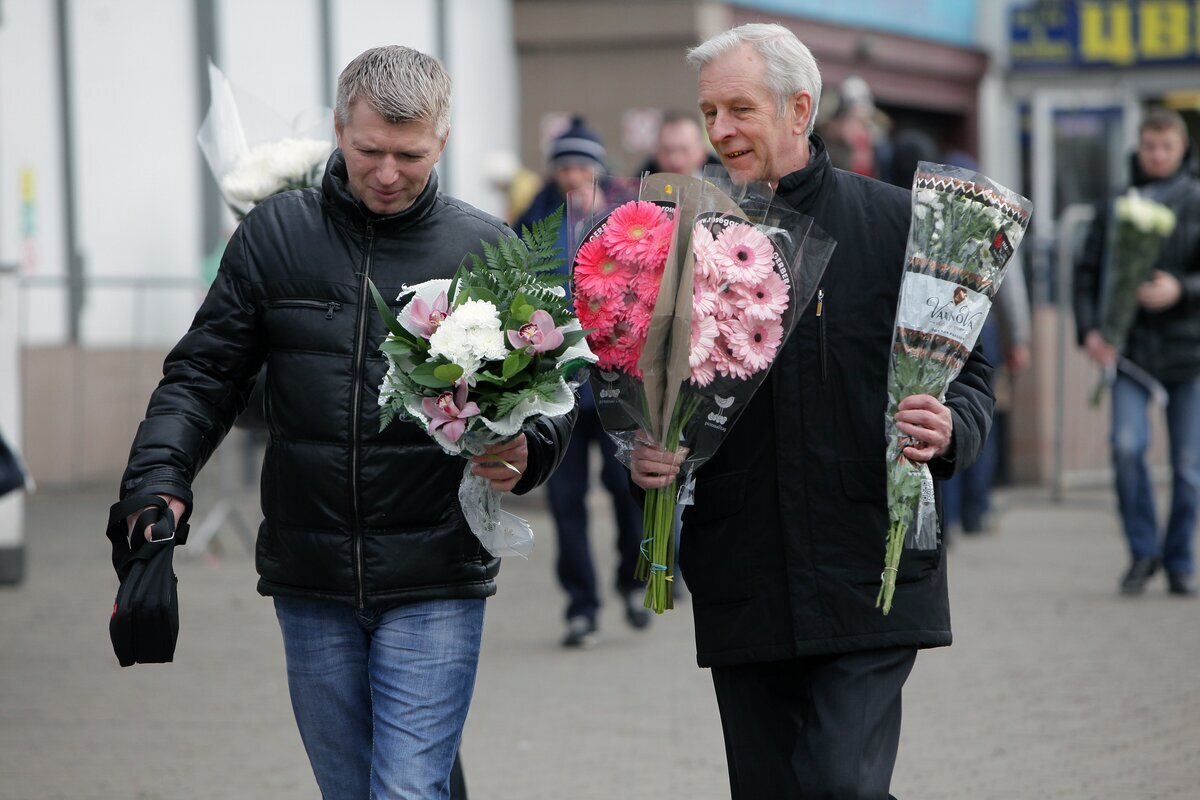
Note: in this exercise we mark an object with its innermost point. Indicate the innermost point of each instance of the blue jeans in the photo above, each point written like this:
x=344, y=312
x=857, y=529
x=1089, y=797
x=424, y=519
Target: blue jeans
x=381, y=696
x=1135, y=496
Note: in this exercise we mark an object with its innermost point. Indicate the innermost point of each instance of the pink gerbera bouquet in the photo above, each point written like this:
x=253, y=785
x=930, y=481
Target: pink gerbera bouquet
x=688, y=298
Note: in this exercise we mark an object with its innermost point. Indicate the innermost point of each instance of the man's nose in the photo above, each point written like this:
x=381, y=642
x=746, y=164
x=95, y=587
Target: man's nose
x=721, y=127
x=388, y=171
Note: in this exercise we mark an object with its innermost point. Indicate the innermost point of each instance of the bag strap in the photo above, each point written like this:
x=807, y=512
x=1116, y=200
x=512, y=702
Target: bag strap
x=157, y=514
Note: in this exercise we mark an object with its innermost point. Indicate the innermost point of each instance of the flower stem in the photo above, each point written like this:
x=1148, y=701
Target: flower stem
x=891, y=565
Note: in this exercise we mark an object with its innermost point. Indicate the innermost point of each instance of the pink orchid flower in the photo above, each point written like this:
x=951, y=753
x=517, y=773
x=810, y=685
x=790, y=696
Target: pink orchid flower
x=424, y=318
x=539, y=334
x=449, y=412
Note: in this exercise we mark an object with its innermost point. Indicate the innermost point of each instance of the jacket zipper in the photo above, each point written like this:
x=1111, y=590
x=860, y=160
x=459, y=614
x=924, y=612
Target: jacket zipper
x=821, y=331
x=330, y=306
x=359, y=344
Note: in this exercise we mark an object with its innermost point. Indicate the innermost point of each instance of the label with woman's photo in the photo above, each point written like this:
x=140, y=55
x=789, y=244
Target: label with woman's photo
x=942, y=308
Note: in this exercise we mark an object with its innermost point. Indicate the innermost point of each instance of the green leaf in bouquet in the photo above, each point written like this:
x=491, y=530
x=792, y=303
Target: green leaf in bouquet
x=389, y=316
x=448, y=372
x=570, y=367
x=521, y=309
x=386, y=414
x=573, y=337
x=426, y=375
x=485, y=376
x=396, y=348
x=514, y=362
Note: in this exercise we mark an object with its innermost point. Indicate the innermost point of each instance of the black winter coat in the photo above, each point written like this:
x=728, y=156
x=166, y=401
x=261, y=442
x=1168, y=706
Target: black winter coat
x=352, y=514
x=784, y=546
x=1164, y=343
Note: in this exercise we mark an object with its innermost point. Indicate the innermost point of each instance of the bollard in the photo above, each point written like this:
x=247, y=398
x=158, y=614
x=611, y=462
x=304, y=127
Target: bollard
x=12, y=505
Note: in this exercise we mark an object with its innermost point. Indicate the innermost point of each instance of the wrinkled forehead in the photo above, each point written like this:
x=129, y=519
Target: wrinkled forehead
x=737, y=74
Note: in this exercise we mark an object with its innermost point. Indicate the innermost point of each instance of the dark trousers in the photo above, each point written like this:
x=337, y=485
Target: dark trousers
x=568, y=488
x=817, y=728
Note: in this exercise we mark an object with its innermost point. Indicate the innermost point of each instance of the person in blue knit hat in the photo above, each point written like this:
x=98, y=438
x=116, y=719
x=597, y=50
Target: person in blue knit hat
x=578, y=165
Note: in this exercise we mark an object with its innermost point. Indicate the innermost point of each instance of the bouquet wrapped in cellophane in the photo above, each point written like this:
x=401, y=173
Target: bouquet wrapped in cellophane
x=474, y=358
x=688, y=295
x=1136, y=233
x=965, y=229
x=253, y=153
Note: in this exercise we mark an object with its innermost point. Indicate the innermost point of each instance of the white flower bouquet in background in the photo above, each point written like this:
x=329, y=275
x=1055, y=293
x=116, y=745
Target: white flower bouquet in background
x=253, y=154
x=1136, y=233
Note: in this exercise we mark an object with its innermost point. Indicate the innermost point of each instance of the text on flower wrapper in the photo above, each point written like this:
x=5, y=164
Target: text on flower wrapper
x=942, y=308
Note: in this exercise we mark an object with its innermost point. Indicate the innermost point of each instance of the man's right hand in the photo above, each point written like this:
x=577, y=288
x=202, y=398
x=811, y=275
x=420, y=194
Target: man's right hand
x=652, y=467
x=1103, y=353
x=174, y=503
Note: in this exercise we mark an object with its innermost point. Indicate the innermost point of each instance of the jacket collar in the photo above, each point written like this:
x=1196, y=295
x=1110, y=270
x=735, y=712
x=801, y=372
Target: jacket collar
x=801, y=188
x=342, y=203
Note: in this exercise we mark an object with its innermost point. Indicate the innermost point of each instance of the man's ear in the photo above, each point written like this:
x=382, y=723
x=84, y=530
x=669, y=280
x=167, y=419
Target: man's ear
x=442, y=147
x=802, y=110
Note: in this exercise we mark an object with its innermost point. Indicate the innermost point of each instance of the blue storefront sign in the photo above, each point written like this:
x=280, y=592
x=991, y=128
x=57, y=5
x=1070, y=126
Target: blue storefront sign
x=1104, y=33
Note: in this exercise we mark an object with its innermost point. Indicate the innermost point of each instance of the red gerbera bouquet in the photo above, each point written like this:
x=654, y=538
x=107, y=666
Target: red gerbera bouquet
x=689, y=296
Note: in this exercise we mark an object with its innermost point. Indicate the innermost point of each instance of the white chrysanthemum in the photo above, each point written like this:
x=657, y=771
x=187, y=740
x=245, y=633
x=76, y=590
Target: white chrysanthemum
x=469, y=336
x=274, y=167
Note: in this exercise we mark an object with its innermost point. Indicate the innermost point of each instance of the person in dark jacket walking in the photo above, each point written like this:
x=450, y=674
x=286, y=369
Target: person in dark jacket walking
x=785, y=542
x=378, y=583
x=577, y=164
x=1164, y=344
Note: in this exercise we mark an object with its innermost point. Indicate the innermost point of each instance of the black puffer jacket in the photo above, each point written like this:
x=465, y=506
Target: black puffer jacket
x=784, y=546
x=1164, y=343
x=352, y=514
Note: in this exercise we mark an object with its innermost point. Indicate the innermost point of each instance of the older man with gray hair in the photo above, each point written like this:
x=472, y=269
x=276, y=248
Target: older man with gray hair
x=783, y=546
x=378, y=582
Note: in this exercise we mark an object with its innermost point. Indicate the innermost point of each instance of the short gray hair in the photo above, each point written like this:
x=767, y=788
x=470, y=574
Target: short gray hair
x=398, y=83
x=790, y=64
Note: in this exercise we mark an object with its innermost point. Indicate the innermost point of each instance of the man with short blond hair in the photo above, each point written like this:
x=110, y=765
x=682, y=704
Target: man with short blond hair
x=378, y=582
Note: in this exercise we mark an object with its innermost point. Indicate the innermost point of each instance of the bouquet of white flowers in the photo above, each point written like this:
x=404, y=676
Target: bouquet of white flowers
x=281, y=158
x=1136, y=233
x=474, y=358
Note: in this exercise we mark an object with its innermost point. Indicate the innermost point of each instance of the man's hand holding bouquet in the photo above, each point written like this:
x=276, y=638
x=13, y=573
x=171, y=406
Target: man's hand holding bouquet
x=965, y=229
x=1136, y=232
x=475, y=358
x=688, y=295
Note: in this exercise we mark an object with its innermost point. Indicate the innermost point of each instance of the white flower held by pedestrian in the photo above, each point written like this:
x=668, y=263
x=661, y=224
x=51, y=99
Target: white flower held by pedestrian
x=470, y=336
x=276, y=167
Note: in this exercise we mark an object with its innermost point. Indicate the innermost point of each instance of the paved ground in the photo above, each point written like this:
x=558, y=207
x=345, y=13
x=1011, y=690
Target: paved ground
x=1055, y=687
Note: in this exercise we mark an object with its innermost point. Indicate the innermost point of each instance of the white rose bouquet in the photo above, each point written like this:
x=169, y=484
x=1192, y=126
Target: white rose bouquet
x=282, y=158
x=1136, y=233
x=474, y=358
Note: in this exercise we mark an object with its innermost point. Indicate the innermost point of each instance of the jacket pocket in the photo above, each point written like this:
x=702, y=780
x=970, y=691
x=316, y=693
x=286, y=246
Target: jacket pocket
x=330, y=307
x=865, y=481
x=718, y=497
x=710, y=540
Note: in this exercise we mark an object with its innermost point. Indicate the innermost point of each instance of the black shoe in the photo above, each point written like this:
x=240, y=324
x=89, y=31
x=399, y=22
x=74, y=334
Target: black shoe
x=581, y=633
x=1140, y=571
x=1181, y=584
x=636, y=613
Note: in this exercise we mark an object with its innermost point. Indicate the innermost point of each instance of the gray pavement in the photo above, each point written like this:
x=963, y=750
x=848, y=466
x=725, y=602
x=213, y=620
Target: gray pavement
x=1054, y=688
